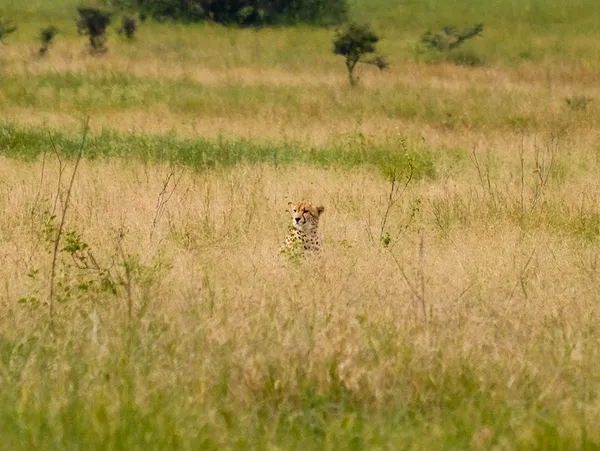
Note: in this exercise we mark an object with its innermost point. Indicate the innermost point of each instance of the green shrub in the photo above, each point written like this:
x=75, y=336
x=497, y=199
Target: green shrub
x=46, y=36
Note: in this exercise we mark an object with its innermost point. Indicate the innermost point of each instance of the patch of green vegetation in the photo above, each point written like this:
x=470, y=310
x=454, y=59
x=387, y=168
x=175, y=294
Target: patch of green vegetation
x=586, y=226
x=201, y=154
x=115, y=402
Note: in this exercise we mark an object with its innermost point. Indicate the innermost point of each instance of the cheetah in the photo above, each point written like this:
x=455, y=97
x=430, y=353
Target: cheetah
x=304, y=231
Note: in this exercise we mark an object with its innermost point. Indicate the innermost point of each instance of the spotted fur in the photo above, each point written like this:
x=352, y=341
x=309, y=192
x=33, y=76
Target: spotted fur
x=304, y=231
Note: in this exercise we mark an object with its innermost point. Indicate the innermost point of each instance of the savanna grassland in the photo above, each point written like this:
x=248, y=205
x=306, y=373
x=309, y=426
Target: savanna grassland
x=456, y=304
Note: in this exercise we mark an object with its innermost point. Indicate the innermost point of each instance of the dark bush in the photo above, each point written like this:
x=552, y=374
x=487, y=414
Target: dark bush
x=46, y=36
x=241, y=12
x=92, y=22
x=128, y=26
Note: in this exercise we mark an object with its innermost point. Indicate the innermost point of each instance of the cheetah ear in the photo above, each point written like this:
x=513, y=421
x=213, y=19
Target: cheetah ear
x=320, y=209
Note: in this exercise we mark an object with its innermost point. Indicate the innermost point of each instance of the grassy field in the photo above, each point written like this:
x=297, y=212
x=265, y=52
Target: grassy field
x=456, y=302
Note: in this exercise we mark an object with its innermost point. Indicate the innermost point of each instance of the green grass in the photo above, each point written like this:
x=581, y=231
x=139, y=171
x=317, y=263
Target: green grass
x=514, y=31
x=201, y=154
x=229, y=347
x=75, y=398
x=538, y=14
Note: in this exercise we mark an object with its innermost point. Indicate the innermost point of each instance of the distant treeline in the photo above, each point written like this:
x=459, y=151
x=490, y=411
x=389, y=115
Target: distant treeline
x=241, y=12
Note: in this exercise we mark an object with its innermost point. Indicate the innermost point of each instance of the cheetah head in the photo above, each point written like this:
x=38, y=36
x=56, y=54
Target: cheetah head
x=305, y=217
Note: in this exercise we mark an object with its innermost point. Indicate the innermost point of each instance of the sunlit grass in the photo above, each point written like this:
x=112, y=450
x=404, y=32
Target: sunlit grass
x=515, y=32
x=448, y=329
x=202, y=154
x=455, y=305
x=479, y=101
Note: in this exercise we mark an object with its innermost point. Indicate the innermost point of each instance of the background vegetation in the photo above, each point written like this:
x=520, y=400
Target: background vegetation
x=242, y=12
x=455, y=305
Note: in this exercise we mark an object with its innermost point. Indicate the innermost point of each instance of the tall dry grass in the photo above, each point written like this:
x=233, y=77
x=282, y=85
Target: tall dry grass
x=476, y=317
x=456, y=310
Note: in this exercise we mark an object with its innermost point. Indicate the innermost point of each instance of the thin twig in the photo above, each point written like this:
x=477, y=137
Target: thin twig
x=544, y=170
x=392, y=199
x=61, y=169
x=64, y=214
x=36, y=204
x=39, y=191
x=164, y=196
x=484, y=178
x=475, y=161
x=417, y=291
x=522, y=276
x=422, y=277
x=522, y=159
x=126, y=261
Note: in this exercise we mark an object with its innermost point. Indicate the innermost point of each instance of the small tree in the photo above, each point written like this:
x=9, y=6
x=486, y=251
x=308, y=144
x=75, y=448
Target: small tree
x=6, y=27
x=92, y=22
x=354, y=43
x=46, y=36
x=128, y=26
x=450, y=38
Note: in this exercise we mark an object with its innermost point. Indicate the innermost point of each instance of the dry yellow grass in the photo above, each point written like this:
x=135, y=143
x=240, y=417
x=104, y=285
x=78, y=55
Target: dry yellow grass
x=71, y=57
x=464, y=316
x=311, y=105
x=483, y=290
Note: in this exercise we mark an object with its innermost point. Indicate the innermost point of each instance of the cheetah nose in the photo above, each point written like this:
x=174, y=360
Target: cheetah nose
x=297, y=219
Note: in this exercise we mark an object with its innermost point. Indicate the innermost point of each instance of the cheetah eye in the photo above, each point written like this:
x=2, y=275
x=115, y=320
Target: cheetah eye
x=305, y=211
x=294, y=210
